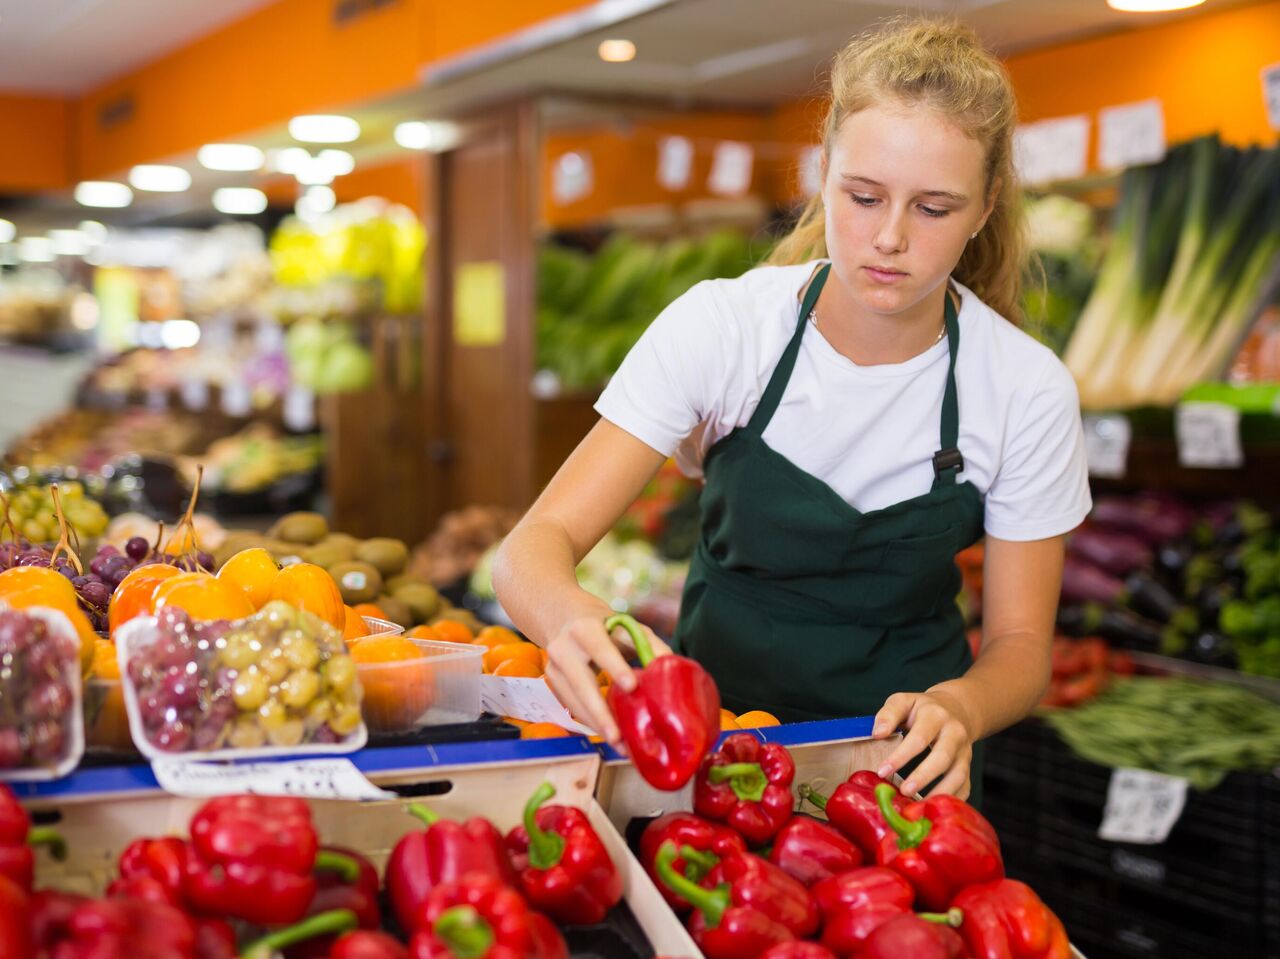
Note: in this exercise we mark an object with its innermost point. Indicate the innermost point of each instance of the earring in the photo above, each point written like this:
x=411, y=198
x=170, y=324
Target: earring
x=973, y=235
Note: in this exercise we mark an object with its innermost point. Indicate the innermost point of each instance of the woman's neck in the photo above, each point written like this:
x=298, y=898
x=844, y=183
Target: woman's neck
x=873, y=339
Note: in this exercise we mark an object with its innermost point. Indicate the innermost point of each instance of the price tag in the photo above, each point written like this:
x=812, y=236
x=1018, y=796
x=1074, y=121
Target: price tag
x=1051, y=150
x=1142, y=806
x=195, y=394
x=1209, y=436
x=1131, y=134
x=299, y=413
x=572, y=177
x=1106, y=444
x=237, y=399
x=309, y=778
x=731, y=169
x=1271, y=93
x=675, y=162
x=529, y=699
x=157, y=399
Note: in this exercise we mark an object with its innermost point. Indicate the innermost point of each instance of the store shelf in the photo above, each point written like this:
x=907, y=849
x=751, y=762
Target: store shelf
x=1262, y=685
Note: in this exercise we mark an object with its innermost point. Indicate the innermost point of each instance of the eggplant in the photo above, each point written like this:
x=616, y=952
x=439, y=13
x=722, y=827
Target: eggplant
x=1173, y=558
x=1118, y=625
x=1242, y=522
x=1112, y=552
x=1211, y=599
x=1084, y=583
x=1154, y=520
x=1213, y=649
x=1145, y=594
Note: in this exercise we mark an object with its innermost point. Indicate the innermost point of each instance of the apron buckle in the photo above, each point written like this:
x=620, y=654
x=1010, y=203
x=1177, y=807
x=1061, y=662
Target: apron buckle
x=948, y=459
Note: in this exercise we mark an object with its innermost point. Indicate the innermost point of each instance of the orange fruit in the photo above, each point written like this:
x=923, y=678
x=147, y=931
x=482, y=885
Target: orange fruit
x=524, y=652
x=132, y=597
x=370, y=609
x=252, y=570
x=397, y=681
x=517, y=667
x=518, y=723
x=310, y=587
x=424, y=632
x=354, y=627
x=43, y=590
x=728, y=720
x=202, y=596
x=105, y=663
x=492, y=636
x=385, y=649
x=21, y=578
x=756, y=719
x=543, y=731
x=452, y=631
x=179, y=544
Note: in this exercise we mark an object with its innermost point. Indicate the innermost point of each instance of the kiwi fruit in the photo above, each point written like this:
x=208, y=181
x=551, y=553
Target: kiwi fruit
x=326, y=555
x=464, y=616
x=389, y=555
x=308, y=528
x=397, y=611
x=341, y=544
x=422, y=599
x=392, y=583
x=358, y=582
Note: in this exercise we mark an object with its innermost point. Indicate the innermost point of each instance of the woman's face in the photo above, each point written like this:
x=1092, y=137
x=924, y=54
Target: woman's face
x=903, y=191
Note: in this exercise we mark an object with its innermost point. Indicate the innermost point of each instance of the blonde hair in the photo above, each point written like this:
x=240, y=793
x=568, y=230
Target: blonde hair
x=940, y=64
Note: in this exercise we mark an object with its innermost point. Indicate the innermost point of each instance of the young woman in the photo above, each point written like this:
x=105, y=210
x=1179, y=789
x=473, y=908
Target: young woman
x=861, y=409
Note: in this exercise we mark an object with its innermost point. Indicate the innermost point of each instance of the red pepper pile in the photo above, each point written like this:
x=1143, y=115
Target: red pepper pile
x=1082, y=668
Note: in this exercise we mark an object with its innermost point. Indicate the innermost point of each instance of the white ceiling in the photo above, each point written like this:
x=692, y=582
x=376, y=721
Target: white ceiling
x=61, y=47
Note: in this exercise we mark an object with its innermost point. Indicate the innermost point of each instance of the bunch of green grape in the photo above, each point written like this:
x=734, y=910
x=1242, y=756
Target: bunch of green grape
x=32, y=517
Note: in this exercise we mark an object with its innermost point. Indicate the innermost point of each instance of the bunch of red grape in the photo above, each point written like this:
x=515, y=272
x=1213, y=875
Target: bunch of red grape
x=38, y=666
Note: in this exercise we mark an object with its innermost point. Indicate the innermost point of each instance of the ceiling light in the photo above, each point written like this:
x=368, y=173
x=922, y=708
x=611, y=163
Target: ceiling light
x=36, y=249
x=324, y=128
x=69, y=242
x=315, y=172
x=103, y=194
x=337, y=162
x=1151, y=6
x=158, y=178
x=617, y=51
x=230, y=157
x=239, y=200
x=94, y=231
x=322, y=199
x=434, y=135
x=290, y=160
x=7, y=231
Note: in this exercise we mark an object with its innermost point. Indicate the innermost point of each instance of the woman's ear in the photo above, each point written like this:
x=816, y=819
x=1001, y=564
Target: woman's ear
x=991, y=203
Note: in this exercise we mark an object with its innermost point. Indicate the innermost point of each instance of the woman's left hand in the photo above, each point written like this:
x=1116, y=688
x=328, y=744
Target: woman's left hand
x=935, y=719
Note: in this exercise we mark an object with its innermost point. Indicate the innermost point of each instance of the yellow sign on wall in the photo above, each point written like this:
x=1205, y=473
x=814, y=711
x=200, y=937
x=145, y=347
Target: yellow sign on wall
x=479, y=304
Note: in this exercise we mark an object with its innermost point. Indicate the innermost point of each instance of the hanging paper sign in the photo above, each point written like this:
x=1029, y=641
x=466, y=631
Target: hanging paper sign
x=731, y=169
x=1106, y=444
x=299, y=413
x=529, y=699
x=811, y=171
x=1142, y=806
x=237, y=399
x=195, y=393
x=1208, y=435
x=1131, y=135
x=310, y=779
x=479, y=304
x=572, y=178
x=1271, y=93
x=675, y=162
x=1051, y=150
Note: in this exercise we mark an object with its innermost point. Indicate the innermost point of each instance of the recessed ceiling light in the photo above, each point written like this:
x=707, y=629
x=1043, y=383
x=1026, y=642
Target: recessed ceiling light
x=95, y=231
x=290, y=160
x=101, y=193
x=617, y=51
x=7, y=231
x=36, y=249
x=315, y=172
x=239, y=200
x=337, y=162
x=158, y=178
x=317, y=201
x=434, y=135
x=324, y=128
x=69, y=242
x=1151, y=6
x=230, y=157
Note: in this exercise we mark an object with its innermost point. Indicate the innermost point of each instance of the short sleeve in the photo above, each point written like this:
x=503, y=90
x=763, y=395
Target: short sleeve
x=1041, y=488
x=669, y=381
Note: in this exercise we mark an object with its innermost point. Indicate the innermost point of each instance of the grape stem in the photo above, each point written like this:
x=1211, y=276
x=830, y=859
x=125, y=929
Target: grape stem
x=63, y=544
x=8, y=519
x=186, y=522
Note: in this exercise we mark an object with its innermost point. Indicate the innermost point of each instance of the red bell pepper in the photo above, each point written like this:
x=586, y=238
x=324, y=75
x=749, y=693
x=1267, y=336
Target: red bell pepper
x=479, y=917
x=855, y=903
x=757, y=883
x=685, y=829
x=126, y=929
x=671, y=720
x=1007, y=920
x=563, y=866
x=918, y=936
x=722, y=927
x=18, y=841
x=855, y=811
x=797, y=950
x=325, y=924
x=15, y=920
x=344, y=880
x=251, y=857
x=810, y=851
x=746, y=784
x=158, y=860
x=364, y=944
x=215, y=939
x=940, y=845
x=51, y=913
x=446, y=850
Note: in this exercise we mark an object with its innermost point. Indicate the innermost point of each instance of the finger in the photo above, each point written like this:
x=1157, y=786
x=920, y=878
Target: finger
x=892, y=714
x=947, y=751
x=954, y=783
x=922, y=733
x=564, y=692
x=660, y=648
x=602, y=648
x=580, y=681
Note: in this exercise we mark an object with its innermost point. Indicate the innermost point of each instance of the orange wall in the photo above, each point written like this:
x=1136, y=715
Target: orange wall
x=35, y=143
x=400, y=181
x=454, y=27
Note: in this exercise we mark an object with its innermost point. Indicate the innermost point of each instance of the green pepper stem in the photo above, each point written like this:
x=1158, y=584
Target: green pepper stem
x=910, y=834
x=747, y=780
x=703, y=860
x=712, y=903
x=813, y=796
x=464, y=932
x=321, y=924
x=428, y=815
x=329, y=860
x=644, y=649
x=952, y=917
x=48, y=836
x=546, y=849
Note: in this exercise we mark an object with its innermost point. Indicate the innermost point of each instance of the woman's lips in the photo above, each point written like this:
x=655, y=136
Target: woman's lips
x=884, y=276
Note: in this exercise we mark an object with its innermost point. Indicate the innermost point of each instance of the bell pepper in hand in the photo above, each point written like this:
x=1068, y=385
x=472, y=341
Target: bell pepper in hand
x=746, y=784
x=15, y=920
x=918, y=936
x=18, y=841
x=722, y=927
x=797, y=949
x=855, y=811
x=1007, y=920
x=344, y=880
x=810, y=851
x=685, y=829
x=446, y=850
x=479, y=917
x=251, y=857
x=940, y=845
x=854, y=904
x=564, y=868
x=757, y=883
x=671, y=720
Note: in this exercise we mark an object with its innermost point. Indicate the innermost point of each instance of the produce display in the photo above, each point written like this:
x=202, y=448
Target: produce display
x=29, y=513
x=254, y=458
x=1062, y=234
x=461, y=538
x=39, y=692
x=92, y=439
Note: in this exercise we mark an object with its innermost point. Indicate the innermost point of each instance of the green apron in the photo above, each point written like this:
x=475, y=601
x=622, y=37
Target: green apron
x=798, y=603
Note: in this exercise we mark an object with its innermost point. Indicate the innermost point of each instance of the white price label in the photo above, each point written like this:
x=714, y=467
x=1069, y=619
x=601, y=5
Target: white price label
x=299, y=411
x=309, y=779
x=1271, y=93
x=1106, y=444
x=731, y=169
x=572, y=177
x=237, y=399
x=157, y=399
x=1142, y=806
x=1130, y=135
x=195, y=394
x=675, y=162
x=1051, y=150
x=1208, y=435
x=529, y=699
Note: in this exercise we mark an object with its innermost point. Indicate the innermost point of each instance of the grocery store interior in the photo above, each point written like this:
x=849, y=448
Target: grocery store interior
x=303, y=303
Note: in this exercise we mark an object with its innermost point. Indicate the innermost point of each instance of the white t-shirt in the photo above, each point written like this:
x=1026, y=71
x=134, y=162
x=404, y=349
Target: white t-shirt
x=869, y=432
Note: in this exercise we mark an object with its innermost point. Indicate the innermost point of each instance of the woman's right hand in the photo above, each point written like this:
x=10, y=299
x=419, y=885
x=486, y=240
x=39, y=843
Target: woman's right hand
x=575, y=653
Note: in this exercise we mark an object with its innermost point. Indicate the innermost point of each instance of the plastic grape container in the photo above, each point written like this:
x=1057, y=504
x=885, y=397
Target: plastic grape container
x=41, y=718
x=106, y=720
x=439, y=687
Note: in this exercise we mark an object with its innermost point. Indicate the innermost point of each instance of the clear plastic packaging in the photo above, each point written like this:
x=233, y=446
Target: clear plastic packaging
x=106, y=720
x=277, y=683
x=41, y=718
x=380, y=627
x=439, y=687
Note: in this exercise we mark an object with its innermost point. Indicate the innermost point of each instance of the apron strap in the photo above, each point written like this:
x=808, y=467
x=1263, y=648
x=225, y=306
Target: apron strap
x=948, y=462
x=782, y=372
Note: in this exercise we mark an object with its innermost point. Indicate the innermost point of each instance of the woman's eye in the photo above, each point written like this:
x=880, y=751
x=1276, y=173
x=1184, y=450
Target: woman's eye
x=863, y=200
x=934, y=211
